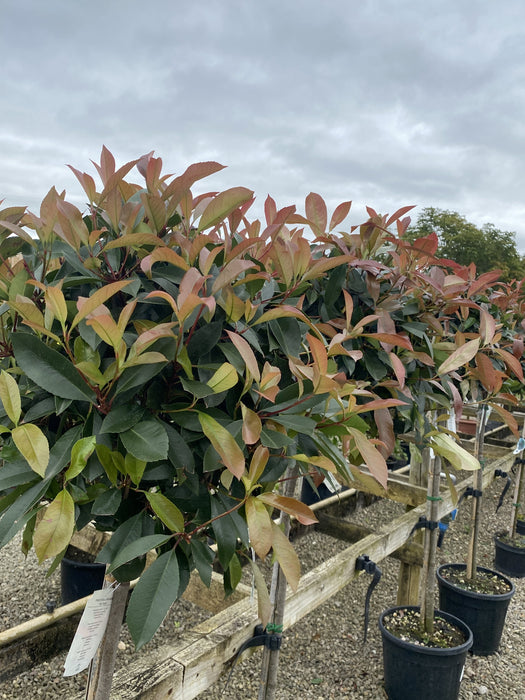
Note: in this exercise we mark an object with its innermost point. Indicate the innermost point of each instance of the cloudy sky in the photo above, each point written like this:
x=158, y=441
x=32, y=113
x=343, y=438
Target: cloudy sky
x=384, y=102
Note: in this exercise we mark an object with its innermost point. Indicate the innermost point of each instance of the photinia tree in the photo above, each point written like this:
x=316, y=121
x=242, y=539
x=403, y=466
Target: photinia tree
x=164, y=361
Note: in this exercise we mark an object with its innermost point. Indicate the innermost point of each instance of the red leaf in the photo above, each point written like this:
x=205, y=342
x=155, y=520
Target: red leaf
x=315, y=207
x=340, y=214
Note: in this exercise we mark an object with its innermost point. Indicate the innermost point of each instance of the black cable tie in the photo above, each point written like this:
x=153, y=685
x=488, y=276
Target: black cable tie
x=424, y=523
x=261, y=638
x=504, y=475
x=364, y=563
x=470, y=491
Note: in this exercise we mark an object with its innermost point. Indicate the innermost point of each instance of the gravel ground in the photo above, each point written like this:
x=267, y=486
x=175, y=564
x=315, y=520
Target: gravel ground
x=323, y=656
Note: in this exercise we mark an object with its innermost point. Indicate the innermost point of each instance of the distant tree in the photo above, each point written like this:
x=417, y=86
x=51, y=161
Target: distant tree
x=487, y=247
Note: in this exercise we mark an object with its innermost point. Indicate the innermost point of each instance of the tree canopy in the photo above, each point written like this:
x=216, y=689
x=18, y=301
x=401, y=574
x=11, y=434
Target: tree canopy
x=488, y=247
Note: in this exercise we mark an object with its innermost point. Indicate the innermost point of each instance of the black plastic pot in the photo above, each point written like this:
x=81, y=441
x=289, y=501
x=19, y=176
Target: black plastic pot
x=508, y=559
x=414, y=672
x=520, y=527
x=483, y=613
x=79, y=579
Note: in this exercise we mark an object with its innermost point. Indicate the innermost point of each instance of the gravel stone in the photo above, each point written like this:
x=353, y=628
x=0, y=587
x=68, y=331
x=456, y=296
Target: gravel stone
x=323, y=656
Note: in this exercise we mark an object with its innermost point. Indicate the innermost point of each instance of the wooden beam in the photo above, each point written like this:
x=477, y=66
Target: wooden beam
x=350, y=532
x=184, y=670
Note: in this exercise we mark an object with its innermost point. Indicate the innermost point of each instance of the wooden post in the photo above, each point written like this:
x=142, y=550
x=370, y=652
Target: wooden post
x=101, y=670
x=410, y=574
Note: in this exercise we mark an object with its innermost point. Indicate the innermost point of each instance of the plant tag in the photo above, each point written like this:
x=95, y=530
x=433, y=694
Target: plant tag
x=89, y=632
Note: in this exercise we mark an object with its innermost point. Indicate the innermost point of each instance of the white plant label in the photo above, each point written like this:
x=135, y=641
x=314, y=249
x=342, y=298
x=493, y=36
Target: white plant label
x=89, y=632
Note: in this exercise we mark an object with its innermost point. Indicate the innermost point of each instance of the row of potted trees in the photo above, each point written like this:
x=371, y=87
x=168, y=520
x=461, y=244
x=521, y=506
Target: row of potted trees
x=166, y=359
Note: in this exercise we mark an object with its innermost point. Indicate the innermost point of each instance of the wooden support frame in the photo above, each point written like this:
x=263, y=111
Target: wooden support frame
x=186, y=669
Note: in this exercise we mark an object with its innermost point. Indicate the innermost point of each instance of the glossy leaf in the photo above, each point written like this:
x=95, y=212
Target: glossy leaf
x=446, y=447
x=286, y=556
x=49, y=369
x=81, y=452
x=251, y=425
x=137, y=548
x=222, y=205
x=87, y=305
x=460, y=357
x=264, y=604
x=292, y=506
x=223, y=379
x=154, y=594
x=225, y=444
x=146, y=440
x=10, y=396
x=54, y=531
x=167, y=511
x=33, y=445
x=134, y=467
x=259, y=526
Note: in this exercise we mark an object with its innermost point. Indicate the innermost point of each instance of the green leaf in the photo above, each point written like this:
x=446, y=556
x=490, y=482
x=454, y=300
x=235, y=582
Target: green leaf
x=264, y=605
x=122, y=418
x=112, y=461
x=167, y=511
x=154, y=594
x=222, y=205
x=107, y=503
x=179, y=454
x=301, y=424
x=10, y=396
x=224, y=378
x=137, y=548
x=230, y=452
x=445, y=446
x=81, y=452
x=147, y=440
x=98, y=298
x=54, y=531
x=203, y=557
x=134, y=467
x=32, y=444
x=225, y=533
x=125, y=534
x=49, y=369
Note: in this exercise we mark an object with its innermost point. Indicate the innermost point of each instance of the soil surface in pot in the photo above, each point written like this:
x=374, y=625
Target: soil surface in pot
x=517, y=541
x=485, y=582
x=79, y=555
x=406, y=625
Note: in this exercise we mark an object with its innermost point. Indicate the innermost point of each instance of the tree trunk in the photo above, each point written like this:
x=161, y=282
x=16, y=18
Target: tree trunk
x=475, y=520
x=430, y=543
x=270, y=659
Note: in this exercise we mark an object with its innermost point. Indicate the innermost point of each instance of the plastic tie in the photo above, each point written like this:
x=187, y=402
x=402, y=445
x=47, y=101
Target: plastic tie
x=434, y=498
x=424, y=523
x=504, y=475
x=262, y=637
x=470, y=491
x=364, y=563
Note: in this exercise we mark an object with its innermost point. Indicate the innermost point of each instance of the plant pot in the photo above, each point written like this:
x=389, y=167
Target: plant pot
x=79, y=578
x=413, y=672
x=509, y=559
x=520, y=527
x=483, y=613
